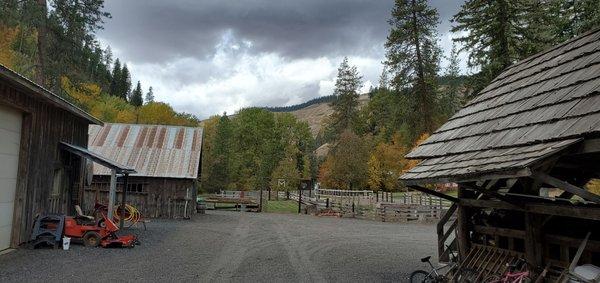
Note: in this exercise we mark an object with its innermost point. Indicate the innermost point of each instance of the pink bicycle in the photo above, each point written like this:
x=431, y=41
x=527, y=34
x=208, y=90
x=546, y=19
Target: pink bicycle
x=512, y=276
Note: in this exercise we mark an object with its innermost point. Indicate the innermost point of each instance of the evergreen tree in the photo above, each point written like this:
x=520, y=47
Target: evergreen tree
x=346, y=91
x=451, y=98
x=498, y=33
x=413, y=59
x=136, y=96
x=150, y=95
x=124, y=83
x=116, y=77
x=570, y=18
x=220, y=176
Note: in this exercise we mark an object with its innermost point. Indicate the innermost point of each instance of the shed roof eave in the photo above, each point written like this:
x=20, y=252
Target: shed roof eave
x=83, y=152
x=491, y=175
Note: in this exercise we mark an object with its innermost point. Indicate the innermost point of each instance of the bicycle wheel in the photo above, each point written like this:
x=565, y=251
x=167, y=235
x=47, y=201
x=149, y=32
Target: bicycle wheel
x=420, y=276
x=492, y=279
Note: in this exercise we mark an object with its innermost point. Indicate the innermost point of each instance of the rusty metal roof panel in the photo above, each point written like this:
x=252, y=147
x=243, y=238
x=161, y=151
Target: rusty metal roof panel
x=152, y=150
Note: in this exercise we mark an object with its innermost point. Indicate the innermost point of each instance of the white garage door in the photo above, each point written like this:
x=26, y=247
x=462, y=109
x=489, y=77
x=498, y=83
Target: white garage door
x=10, y=137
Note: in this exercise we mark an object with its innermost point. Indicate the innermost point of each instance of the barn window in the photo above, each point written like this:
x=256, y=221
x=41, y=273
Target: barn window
x=136, y=188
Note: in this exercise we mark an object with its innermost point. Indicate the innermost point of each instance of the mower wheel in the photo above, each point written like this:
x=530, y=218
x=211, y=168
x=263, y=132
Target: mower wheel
x=91, y=239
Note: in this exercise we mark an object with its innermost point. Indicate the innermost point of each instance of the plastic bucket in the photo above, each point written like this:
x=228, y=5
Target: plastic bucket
x=66, y=243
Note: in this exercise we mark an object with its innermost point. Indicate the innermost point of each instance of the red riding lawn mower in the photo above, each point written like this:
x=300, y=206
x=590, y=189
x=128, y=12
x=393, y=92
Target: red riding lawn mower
x=50, y=228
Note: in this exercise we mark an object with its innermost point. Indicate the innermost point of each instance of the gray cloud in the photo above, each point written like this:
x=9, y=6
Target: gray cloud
x=196, y=47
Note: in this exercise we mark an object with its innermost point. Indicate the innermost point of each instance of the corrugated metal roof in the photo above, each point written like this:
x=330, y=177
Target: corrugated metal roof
x=152, y=150
x=550, y=97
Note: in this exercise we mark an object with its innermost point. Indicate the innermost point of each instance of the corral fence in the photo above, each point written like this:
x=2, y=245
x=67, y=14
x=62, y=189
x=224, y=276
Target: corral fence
x=379, y=206
x=403, y=207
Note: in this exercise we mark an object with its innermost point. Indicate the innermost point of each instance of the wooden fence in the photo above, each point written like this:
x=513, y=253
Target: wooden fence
x=399, y=212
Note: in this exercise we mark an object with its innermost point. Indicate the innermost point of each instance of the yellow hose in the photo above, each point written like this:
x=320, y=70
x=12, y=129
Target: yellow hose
x=134, y=214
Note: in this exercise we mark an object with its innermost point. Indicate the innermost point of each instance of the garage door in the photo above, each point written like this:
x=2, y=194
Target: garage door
x=10, y=137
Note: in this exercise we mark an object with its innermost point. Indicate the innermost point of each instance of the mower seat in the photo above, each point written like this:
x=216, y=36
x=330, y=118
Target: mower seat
x=81, y=215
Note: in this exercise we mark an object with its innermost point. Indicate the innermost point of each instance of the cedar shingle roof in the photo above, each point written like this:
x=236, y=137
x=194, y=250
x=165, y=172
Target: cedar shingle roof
x=536, y=107
x=152, y=150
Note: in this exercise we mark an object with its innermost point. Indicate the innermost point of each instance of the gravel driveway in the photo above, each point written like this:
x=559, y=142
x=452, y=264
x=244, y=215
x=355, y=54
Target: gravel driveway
x=232, y=246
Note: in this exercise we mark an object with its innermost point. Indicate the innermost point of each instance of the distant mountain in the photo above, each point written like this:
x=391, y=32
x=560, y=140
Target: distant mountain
x=314, y=111
x=318, y=100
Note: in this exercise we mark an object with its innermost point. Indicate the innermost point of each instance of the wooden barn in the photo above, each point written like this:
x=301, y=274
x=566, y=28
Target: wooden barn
x=39, y=171
x=167, y=161
x=523, y=154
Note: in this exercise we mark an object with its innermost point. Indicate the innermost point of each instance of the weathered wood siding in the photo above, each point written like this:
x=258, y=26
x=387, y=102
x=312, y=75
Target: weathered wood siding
x=161, y=197
x=44, y=126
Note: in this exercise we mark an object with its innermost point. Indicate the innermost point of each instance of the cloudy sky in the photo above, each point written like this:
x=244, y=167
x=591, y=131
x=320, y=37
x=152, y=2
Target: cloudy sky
x=209, y=56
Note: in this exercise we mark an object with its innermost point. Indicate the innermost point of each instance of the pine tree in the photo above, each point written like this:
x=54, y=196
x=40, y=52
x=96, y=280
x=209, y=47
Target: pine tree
x=124, y=83
x=451, y=98
x=413, y=59
x=345, y=105
x=116, y=78
x=136, y=96
x=498, y=33
x=222, y=151
x=573, y=17
x=150, y=95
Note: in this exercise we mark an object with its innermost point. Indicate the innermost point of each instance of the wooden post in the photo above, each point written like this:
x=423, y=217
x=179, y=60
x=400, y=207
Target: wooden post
x=462, y=229
x=533, y=239
x=299, y=200
x=111, y=193
x=260, y=205
x=123, y=199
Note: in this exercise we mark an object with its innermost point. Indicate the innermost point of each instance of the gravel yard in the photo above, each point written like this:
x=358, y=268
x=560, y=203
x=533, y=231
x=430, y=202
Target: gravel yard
x=233, y=246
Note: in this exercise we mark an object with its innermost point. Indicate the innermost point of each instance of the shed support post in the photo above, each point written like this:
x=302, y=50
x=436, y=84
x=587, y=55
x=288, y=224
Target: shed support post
x=533, y=239
x=462, y=229
x=111, y=193
x=123, y=199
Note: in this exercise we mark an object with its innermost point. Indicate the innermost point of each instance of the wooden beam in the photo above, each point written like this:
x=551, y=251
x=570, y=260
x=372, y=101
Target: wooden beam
x=494, y=194
x=545, y=178
x=432, y=192
x=584, y=212
x=590, y=146
x=503, y=232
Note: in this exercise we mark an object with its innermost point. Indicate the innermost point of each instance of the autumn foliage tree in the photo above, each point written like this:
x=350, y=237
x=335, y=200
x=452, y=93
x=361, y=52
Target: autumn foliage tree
x=346, y=166
x=386, y=164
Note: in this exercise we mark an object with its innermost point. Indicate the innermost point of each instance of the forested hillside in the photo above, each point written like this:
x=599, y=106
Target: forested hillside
x=53, y=43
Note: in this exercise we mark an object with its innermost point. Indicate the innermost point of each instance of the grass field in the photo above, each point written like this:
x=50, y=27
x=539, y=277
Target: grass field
x=281, y=206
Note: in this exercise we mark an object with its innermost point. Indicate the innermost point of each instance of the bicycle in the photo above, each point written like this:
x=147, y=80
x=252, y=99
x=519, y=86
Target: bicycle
x=512, y=276
x=462, y=275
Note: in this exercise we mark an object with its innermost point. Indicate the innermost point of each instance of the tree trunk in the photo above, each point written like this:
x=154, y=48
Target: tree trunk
x=41, y=43
x=504, y=51
x=421, y=88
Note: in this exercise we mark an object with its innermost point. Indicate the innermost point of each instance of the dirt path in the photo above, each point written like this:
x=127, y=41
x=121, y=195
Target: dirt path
x=236, y=247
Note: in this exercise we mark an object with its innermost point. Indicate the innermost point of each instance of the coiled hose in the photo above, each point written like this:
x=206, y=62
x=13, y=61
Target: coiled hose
x=132, y=214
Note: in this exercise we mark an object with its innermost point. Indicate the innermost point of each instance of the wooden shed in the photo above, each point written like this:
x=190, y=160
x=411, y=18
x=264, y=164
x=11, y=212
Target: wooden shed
x=36, y=174
x=522, y=153
x=167, y=161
